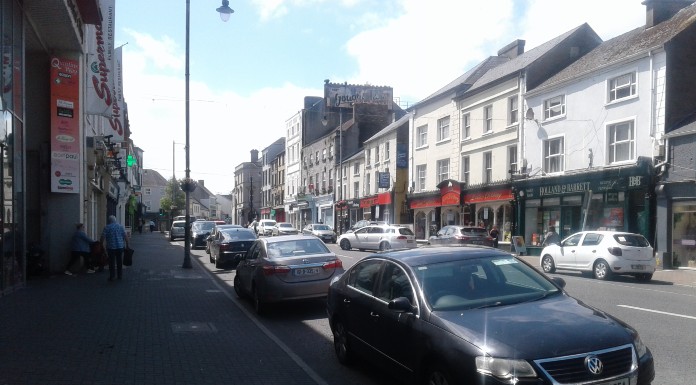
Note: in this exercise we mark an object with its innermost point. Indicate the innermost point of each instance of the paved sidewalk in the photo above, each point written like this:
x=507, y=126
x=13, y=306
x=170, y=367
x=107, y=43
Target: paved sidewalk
x=161, y=324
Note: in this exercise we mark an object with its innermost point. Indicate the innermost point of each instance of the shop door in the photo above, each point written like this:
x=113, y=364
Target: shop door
x=572, y=221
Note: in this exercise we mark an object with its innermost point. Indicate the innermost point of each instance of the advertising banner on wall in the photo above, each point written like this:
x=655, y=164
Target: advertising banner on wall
x=65, y=126
x=345, y=95
x=100, y=62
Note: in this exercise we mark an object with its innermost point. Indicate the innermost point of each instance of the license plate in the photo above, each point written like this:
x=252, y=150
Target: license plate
x=476, y=243
x=409, y=241
x=301, y=272
x=623, y=381
x=638, y=267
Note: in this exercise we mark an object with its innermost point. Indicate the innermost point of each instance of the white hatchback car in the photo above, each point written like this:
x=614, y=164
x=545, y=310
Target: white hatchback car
x=603, y=253
x=378, y=237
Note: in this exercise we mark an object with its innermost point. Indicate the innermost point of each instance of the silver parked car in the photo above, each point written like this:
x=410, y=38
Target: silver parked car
x=178, y=230
x=321, y=231
x=604, y=253
x=378, y=237
x=288, y=267
x=284, y=228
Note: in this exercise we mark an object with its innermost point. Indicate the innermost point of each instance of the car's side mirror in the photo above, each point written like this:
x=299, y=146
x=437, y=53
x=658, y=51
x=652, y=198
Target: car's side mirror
x=559, y=281
x=400, y=304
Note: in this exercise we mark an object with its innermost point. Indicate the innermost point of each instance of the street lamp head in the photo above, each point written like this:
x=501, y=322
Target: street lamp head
x=225, y=10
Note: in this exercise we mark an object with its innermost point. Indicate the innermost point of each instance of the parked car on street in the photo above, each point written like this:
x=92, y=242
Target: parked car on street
x=288, y=267
x=284, y=228
x=321, y=231
x=604, y=253
x=461, y=235
x=229, y=245
x=199, y=233
x=464, y=315
x=378, y=237
x=265, y=227
x=214, y=231
x=178, y=230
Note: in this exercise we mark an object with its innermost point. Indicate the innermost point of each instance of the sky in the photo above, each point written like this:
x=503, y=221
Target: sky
x=249, y=75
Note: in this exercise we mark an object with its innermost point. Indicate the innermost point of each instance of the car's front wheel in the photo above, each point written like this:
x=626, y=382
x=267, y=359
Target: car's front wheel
x=342, y=343
x=547, y=264
x=601, y=270
x=345, y=244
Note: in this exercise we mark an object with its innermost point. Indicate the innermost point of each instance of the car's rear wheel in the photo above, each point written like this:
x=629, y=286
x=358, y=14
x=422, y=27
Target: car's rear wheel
x=437, y=375
x=345, y=244
x=211, y=258
x=601, y=270
x=384, y=246
x=342, y=344
x=238, y=287
x=218, y=263
x=644, y=277
x=547, y=264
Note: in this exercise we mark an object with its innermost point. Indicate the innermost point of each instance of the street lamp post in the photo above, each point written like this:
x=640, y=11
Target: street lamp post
x=188, y=186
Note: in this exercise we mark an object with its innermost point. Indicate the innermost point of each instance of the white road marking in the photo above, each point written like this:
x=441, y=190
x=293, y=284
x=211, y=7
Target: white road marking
x=658, y=312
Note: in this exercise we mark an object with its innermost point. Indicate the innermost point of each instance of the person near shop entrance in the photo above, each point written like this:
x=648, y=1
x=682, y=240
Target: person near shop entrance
x=80, y=249
x=494, y=233
x=551, y=238
x=115, y=240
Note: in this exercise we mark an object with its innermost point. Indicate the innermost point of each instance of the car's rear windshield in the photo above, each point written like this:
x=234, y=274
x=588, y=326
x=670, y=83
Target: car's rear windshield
x=321, y=227
x=284, y=225
x=178, y=224
x=635, y=240
x=268, y=223
x=405, y=231
x=237, y=234
x=204, y=225
x=297, y=247
x=474, y=231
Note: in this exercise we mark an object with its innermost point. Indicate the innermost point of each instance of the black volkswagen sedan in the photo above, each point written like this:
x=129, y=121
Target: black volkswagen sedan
x=229, y=245
x=475, y=315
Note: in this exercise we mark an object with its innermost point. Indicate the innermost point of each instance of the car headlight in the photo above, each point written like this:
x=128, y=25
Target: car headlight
x=641, y=349
x=504, y=369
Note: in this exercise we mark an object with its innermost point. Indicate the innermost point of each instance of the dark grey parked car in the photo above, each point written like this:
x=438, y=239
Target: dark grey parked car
x=229, y=245
x=461, y=235
x=476, y=315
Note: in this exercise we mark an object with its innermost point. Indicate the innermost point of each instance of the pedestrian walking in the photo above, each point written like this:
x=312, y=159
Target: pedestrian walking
x=152, y=226
x=551, y=238
x=80, y=249
x=115, y=240
x=495, y=234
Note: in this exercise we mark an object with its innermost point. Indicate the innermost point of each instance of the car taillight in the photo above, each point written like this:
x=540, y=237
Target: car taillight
x=272, y=270
x=402, y=237
x=462, y=237
x=615, y=251
x=225, y=246
x=335, y=264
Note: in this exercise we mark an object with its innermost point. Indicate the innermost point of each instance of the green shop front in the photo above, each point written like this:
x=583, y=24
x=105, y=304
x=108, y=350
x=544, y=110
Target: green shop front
x=616, y=198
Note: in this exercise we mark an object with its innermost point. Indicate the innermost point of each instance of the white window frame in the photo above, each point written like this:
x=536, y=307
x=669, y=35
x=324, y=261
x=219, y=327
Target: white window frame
x=622, y=87
x=466, y=125
x=368, y=158
x=488, y=119
x=554, y=107
x=356, y=168
x=422, y=136
x=618, y=143
x=513, y=110
x=443, y=129
x=488, y=167
x=466, y=170
x=386, y=151
x=443, y=169
x=421, y=173
x=512, y=159
x=356, y=189
x=367, y=184
x=377, y=154
x=555, y=158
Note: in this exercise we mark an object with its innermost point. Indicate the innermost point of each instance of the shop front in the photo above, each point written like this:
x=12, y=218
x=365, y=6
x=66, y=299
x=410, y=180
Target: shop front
x=607, y=199
x=426, y=213
x=383, y=207
x=490, y=207
x=367, y=208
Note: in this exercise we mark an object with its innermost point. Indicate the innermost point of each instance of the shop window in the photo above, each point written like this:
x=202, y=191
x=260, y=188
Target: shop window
x=684, y=235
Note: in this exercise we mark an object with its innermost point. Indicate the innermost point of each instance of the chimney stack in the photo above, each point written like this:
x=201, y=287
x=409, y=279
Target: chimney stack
x=512, y=50
x=254, y=156
x=657, y=11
